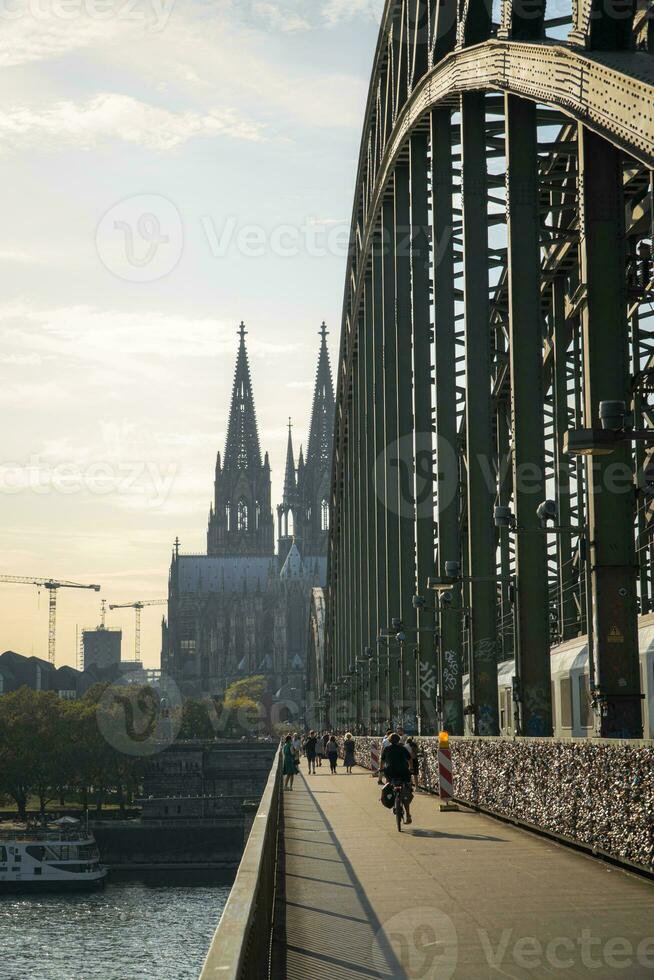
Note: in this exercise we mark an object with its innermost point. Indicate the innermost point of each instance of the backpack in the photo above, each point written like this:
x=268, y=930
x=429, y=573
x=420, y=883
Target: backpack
x=388, y=796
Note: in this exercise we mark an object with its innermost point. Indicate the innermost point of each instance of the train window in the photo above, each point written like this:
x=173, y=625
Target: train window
x=585, y=707
x=509, y=708
x=565, y=689
x=502, y=719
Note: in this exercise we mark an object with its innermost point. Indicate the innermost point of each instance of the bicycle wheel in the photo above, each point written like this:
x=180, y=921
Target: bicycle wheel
x=399, y=811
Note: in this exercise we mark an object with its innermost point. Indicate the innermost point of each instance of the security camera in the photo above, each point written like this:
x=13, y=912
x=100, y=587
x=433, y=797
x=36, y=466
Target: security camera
x=446, y=598
x=613, y=415
x=418, y=602
x=547, y=511
x=503, y=517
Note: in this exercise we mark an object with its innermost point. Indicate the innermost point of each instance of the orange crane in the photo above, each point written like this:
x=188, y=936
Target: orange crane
x=53, y=586
x=137, y=607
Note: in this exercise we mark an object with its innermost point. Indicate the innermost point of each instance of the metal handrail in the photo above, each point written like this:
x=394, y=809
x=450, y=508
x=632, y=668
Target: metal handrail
x=240, y=949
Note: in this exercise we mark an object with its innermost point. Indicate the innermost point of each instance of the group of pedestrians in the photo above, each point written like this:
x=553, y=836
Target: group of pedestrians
x=316, y=746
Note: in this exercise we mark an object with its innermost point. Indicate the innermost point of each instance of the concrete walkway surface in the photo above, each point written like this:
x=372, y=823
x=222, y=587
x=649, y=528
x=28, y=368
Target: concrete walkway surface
x=455, y=895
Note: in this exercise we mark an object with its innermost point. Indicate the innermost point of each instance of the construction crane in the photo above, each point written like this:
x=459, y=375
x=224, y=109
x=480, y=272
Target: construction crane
x=137, y=607
x=53, y=586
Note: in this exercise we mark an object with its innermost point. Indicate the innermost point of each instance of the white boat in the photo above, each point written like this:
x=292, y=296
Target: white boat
x=57, y=856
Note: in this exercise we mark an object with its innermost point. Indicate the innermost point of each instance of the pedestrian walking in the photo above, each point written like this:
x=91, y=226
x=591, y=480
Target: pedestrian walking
x=348, y=752
x=289, y=767
x=332, y=752
x=310, y=750
x=385, y=742
x=320, y=750
x=296, y=743
x=412, y=747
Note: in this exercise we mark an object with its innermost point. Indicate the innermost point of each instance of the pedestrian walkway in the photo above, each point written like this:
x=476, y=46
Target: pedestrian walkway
x=455, y=895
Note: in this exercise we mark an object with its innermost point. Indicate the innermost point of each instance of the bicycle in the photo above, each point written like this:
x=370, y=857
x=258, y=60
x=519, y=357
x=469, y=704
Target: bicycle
x=398, y=803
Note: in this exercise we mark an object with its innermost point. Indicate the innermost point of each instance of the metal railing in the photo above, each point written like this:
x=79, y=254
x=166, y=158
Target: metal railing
x=241, y=945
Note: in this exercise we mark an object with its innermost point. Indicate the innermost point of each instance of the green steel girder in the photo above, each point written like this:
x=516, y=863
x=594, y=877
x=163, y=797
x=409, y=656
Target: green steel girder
x=523, y=346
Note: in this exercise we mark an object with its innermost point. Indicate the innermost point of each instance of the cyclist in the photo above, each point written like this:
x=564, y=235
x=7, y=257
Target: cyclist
x=396, y=763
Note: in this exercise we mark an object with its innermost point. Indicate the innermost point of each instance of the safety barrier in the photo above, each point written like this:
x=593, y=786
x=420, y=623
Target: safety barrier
x=241, y=945
x=597, y=794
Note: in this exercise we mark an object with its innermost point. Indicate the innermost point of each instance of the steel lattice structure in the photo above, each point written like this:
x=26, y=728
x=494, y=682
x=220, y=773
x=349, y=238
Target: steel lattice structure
x=497, y=290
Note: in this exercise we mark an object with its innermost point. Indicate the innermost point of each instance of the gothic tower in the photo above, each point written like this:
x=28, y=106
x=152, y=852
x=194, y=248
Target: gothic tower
x=314, y=474
x=287, y=511
x=240, y=519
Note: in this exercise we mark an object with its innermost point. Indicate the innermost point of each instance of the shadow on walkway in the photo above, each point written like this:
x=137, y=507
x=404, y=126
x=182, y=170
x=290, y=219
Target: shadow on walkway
x=325, y=926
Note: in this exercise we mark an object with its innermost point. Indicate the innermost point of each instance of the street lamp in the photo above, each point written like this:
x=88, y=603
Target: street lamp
x=616, y=430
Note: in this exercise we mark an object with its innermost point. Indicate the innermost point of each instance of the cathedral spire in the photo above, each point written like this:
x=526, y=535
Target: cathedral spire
x=242, y=448
x=289, y=476
x=321, y=431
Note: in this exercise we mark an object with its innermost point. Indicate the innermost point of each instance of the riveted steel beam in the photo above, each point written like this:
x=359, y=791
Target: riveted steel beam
x=611, y=498
x=479, y=433
x=447, y=487
x=528, y=449
x=423, y=447
x=403, y=461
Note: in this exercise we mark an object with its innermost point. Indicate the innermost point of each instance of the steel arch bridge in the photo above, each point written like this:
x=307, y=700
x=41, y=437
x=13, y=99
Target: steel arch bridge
x=498, y=288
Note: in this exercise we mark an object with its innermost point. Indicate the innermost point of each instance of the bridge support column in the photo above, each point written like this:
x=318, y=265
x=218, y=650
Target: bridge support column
x=361, y=565
x=568, y=626
x=479, y=433
x=391, y=457
x=380, y=244
x=406, y=388
x=447, y=487
x=611, y=496
x=423, y=448
x=368, y=506
x=528, y=450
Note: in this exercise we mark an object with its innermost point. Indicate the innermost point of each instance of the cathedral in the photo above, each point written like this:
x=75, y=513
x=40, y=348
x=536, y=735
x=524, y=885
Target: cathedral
x=242, y=608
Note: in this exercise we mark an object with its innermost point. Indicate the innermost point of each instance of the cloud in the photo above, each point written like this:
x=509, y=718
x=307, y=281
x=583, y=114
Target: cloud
x=291, y=16
x=281, y=17
x=122, y=344
x=337, y=11
x=121, y=117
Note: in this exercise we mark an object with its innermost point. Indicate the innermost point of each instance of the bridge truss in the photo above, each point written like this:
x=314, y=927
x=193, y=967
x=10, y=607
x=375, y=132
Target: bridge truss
x=499, y=287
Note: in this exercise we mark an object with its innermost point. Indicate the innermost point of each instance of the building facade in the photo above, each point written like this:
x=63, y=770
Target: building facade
x=242, y=609
x=101, y=646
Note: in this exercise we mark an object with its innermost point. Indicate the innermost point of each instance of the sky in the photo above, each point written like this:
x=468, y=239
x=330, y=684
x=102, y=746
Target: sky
x=171, y=168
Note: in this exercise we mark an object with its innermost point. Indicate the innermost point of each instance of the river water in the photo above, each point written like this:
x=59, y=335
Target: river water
x=127, y=931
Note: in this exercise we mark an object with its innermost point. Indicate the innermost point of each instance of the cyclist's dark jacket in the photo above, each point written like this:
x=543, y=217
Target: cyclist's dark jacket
x=395, y=760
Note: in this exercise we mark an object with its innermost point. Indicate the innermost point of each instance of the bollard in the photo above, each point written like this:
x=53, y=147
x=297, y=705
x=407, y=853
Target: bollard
x=445, y=773
x=374, y=759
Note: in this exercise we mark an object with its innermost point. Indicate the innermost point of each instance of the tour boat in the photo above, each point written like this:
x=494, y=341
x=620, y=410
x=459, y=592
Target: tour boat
x=58, y=856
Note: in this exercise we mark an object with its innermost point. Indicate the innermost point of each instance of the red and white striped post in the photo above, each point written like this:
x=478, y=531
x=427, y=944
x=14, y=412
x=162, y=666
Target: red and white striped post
x=445, y=780
x=374, y=758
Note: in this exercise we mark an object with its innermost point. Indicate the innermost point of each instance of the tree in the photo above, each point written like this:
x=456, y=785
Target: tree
x=195, y=721
x=252, y=688
x=32, y=746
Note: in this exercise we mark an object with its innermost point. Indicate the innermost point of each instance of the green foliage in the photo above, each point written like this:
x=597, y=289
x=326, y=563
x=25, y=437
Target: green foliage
x=49, y=746
x=251, y=688
x=196, y=723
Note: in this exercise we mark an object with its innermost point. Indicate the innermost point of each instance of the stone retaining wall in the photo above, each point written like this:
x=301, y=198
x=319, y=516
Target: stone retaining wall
x=597, y=794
